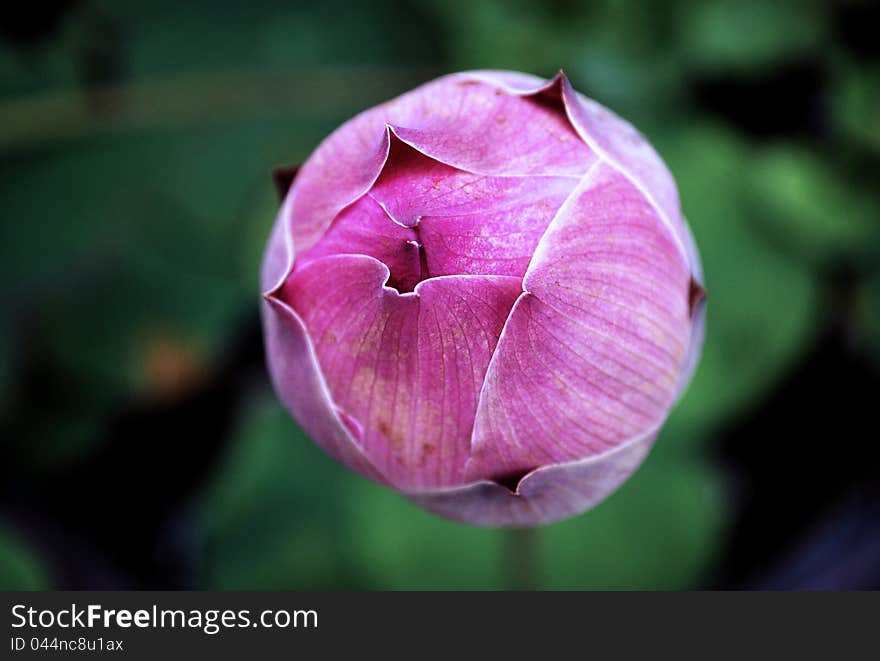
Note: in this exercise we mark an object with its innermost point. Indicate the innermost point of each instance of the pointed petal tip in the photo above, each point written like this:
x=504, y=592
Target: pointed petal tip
x=283, y=177
x=545, y=495
x=696, y=296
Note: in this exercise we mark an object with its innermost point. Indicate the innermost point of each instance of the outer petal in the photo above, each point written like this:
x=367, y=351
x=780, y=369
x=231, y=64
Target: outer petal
x=490, y=125
x=613, y=140
x=591, y=355
x=460, y=319
x=512, y=82
x=406, y=368
x=695, y=347
x=698, y=315
x=545, y=495
x=298, y=381
x=618, y=143
x=341, y=170
x=278, y=255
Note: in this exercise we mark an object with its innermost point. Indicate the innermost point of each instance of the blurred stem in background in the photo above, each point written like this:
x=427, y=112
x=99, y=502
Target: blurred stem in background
x=522, y=559
x=219, y=98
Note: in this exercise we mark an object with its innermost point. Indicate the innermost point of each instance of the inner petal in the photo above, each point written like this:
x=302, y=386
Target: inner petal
x=413, y=185
x=499, y=240
x=405, y=370
x=365, y=228
x=425, y=219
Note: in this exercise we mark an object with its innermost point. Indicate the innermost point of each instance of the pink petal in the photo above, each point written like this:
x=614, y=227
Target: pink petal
x=495, y=132
x=543, y=496
x=695, y=346
x=501, y=122
x=467, y=223
x=340, y=171
x=623, y=147
x=413, y=185
x=364, y=228
x=697, y=305
x=613, y=140
x=512, y=82
x=278, y=256
x=590, y=356
x=498, y=241
x=297, y=378
x=406, y=367
x=516, y=136
x=490, y=125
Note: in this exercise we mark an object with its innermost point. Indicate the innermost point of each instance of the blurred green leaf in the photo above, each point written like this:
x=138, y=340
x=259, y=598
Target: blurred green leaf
x=806, y=206
x=257, y=221
x=19, y=567
x=644, y=95
x=274, y=516
x=398, y=546
x=855, y=100
x=32, y=70
x=661, y=530
x=493, y=34
x=748, y=34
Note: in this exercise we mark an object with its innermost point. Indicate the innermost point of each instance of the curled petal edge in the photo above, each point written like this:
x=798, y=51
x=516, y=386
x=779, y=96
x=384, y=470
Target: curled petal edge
x=574, y=105
x=695, y=347
x=698, y=316
x=300, y=383
x=280, y=252
x=512, y=82
x=283, y=177
x=545, y=495
x=278, y=255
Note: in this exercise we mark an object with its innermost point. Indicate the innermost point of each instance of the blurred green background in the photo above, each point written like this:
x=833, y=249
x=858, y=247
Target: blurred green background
x=142, y=445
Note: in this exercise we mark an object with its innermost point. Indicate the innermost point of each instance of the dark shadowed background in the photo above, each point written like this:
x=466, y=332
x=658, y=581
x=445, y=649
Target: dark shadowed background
x=140, y=442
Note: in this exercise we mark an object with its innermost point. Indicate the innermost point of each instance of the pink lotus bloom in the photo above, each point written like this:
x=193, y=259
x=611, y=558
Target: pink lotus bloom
x=483, y=295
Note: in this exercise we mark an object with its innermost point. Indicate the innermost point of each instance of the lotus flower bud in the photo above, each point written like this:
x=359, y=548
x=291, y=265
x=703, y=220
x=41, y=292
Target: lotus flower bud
x=483, y=295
